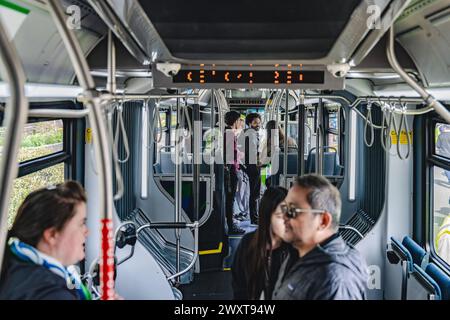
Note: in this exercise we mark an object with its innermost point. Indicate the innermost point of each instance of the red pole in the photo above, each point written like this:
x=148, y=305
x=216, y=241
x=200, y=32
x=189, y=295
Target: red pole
x=107, y=261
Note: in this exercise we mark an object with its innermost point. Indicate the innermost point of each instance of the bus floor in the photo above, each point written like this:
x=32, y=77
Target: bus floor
x=216, y=285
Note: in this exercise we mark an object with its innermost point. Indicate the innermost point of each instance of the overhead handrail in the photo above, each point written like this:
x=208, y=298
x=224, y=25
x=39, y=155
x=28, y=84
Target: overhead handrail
x=15, y=120
x=105, y=192
x=135, y=97
x=58, y=113
x=427, y=97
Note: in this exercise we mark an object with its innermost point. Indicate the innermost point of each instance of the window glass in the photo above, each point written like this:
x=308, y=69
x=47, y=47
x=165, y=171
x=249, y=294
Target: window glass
x=39, y=139
x=442, y=140
x=23, y=186
x=441, y=213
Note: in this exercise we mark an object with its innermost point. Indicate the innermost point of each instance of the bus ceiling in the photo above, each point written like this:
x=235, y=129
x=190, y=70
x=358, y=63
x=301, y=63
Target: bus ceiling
x=240, y=33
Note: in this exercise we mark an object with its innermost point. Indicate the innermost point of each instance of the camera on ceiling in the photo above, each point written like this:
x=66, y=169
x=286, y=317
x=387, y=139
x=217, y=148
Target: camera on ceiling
x=339, y=70
x=169, y=69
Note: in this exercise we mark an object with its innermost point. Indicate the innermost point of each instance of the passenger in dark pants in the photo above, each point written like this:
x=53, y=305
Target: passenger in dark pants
x=260, y=254
x=252, y=168
x=232, y=122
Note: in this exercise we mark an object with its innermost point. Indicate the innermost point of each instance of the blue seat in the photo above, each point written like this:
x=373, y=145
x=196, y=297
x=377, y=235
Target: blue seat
x=292, y=162
x=441, y=278
x=422, y=286
x=419, y=255
x=402, y=253
x=167, y=165
x=157, y=167
x=399, y=253
x=331, y=165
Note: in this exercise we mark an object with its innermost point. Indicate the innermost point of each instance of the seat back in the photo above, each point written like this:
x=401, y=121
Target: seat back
x=401, y=252
x=419, y=255
x=166, y=164
x=292, y=162
x=441, y=278
x=421, y=286
x=330, y=163
x=396, y=253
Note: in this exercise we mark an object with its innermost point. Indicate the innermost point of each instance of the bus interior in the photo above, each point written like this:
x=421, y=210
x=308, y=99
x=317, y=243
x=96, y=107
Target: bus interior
x=128, y=97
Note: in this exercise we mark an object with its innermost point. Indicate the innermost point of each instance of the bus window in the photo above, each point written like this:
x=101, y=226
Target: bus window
x=40, y=139
x=42, y=156
x=25, y=185
x=442, y=140
x=333, y=130
x=441, y=193
x=162, y=130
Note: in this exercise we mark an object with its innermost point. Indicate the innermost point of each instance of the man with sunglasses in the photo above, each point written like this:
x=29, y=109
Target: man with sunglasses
x=327, y=268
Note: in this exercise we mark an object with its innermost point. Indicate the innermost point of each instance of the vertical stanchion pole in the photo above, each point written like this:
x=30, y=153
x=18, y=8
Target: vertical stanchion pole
x=15, y=119
x=286, y=144
x=178, y=183
x=101, y=147
x=301, y=139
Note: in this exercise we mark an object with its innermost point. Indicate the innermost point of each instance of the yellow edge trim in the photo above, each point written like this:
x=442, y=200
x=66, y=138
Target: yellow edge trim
x=226, y=269
x=213, y=251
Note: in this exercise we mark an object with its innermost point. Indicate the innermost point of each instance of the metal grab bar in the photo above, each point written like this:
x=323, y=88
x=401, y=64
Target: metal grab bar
x=115, y=240
x=194, y=259
x=428, y=98
x=101, y=145
x=134, y=97
x=346, y=227
x=176, y=225
x=357, y=101
x=15, y=122
x=58, y=113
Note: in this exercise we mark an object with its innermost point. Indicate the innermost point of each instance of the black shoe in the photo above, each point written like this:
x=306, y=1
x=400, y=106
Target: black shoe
x=235, y=229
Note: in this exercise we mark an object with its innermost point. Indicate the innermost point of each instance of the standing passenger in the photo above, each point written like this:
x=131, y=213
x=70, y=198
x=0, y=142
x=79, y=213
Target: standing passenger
x=252, y=168
x=231, y=166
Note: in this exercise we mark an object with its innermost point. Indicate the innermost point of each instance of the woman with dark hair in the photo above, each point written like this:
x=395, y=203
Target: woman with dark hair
x=46, y=240
x=261, y=253
x=271, y=127
x=274, y=132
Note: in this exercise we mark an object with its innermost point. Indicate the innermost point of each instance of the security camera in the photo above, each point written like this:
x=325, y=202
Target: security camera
x=338, y=70
x=169, y=69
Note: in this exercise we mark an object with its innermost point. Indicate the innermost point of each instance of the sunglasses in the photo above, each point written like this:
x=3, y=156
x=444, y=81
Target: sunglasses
x=292, y=212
